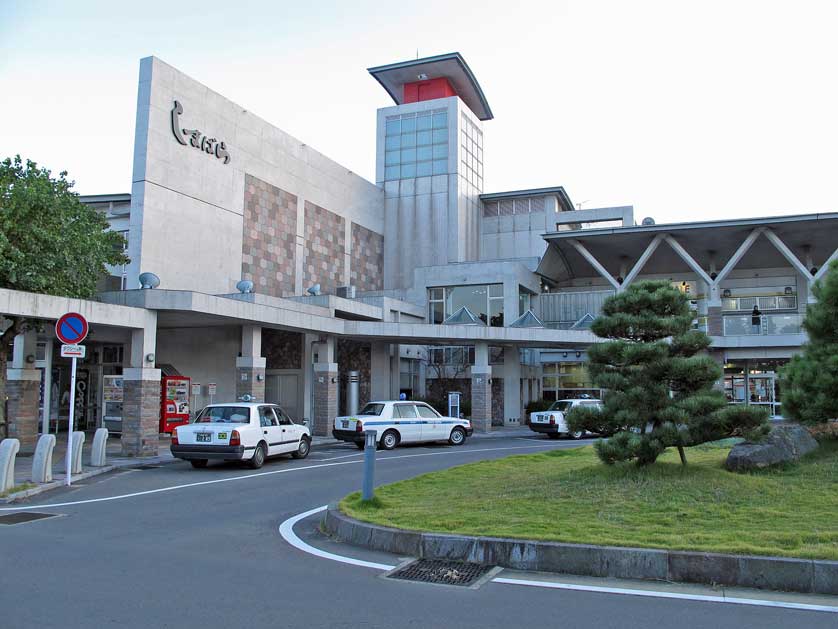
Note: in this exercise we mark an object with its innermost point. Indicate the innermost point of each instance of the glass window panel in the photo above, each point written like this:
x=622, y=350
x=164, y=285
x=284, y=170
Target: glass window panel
x=393, y=127
x=440, y=120
x=437, y=294
x=392, y=142
x=440, y=166
x=472, y=297
x=440, y=151
x=424, y=153
x=408, y=125
x=408, y=155
x=424, y=122
x=440, y=135
x=424, y=137
x=408, y=170
x=391, y=172
x=495, y=290
x=391, y=158
x=424, y=169
x=408, y=140
x=496, y=313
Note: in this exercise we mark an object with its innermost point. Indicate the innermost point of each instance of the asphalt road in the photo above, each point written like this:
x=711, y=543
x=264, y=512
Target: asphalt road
x=210, y=555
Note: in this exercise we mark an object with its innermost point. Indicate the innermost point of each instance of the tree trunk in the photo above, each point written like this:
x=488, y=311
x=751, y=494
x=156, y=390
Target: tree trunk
x=683, y=455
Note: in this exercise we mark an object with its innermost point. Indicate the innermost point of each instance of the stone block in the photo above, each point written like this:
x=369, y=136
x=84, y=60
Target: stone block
x=98, y=452
x=141, y=418
x=42, y=461
x=776, y=573
x=825, y=577
x=784, y=444
x=582, y=559
x=703, y=568
x=22, y=411
x=634, y=563
x=8, y=452
x=437, y=546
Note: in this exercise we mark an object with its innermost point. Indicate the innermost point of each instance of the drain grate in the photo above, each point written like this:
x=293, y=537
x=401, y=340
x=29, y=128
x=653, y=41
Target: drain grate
x=22, y=517
x=441, y=572
x=146, y=467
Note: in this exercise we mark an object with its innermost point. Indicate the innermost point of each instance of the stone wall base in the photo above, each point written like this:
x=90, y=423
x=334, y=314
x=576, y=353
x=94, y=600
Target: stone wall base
x=22, y=416
x=140, y=418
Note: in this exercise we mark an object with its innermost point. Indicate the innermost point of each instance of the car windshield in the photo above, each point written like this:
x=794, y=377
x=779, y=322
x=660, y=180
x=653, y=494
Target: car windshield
x=372, y=409
x=224, y=415
x=561, y=405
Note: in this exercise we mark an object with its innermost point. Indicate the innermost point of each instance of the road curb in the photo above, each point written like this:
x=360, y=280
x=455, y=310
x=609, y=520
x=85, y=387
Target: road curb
x=810, y=576
x=56, y=484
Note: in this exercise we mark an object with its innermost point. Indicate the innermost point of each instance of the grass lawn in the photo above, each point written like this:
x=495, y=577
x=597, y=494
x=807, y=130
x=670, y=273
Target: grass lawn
x=16, y=489
x=569, y=496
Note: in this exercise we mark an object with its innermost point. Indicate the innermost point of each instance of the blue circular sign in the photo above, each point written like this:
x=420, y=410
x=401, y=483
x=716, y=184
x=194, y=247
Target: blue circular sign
x=71, y=328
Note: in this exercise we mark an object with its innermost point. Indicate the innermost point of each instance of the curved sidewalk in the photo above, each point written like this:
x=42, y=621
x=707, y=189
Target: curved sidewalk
x=771, y=573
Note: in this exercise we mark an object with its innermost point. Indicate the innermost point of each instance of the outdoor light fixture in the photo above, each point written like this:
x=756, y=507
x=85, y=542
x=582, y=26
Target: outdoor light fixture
x=422, y=77
x=564, y=354
x=149, y=358
x=814, y=270
x=620, y=279
x=713, y=275
x=726, y=292
x=149, y=280
x=30, y=358
x=788, y=290
x=578, y=354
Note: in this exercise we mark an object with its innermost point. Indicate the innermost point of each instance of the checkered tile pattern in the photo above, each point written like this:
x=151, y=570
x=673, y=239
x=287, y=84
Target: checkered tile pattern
x=367, y=259
x=325, y=248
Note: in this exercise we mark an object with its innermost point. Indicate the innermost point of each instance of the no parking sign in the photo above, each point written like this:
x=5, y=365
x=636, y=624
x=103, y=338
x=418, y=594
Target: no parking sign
x=71, y=329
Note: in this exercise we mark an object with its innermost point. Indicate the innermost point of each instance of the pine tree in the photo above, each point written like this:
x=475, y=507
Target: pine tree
x=658, y=380
x=810, y=381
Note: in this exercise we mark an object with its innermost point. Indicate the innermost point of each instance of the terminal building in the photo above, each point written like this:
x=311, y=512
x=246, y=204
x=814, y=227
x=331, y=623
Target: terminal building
x=261, y=269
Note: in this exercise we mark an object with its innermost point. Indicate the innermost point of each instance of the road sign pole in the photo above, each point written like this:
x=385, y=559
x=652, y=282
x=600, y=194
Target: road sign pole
x=70, y=421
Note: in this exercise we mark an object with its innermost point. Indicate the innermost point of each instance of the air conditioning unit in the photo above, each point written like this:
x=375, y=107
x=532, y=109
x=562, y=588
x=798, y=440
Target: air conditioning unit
x=347, y=292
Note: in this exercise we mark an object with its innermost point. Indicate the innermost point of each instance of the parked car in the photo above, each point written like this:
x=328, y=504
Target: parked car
x=552, y=421
x=240, y=431
x=401, y=422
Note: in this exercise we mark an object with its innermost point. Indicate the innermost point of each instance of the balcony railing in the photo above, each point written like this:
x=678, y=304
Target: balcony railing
x=770, y=302
x=770, y=325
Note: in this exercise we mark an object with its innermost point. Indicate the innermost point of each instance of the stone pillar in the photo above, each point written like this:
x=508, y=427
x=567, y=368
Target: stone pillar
x=141, y=395
x=715, y=324
x=379, y=371
x=512, y=406
x=23, y=383
x=250, y=366
x=140, y=412
x=325, y=388
x=481, y=389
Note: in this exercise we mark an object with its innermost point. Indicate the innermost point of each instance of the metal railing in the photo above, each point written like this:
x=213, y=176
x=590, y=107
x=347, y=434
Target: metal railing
x=769, y=325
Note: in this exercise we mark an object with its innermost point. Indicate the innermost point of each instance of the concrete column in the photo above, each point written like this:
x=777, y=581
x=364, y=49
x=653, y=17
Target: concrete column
x=140, y=412
x=481, y=389
x=250, y=366
x=23, y=390
x=379, y=371
x=141, y=395
x=395, y=372
x=715, y=324
x=308, y=377
x=512, y=406
x=325, y=387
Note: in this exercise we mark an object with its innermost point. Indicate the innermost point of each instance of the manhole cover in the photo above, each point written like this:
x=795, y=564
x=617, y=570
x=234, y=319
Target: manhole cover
x=442, y=572
x=22, y=517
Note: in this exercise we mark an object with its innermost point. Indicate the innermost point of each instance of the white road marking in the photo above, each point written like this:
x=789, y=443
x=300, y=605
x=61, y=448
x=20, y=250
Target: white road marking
x=286, y=530
x=257, y=475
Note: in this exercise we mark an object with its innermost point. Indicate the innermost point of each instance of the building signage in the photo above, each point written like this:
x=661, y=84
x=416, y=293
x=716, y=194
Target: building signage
x=73, y=351
x=196, y=139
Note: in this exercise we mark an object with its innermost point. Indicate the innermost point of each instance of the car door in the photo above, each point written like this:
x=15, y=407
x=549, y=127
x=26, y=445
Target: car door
x=433, y=426
x=407, y=422
x=271, y=431
x=291, y=432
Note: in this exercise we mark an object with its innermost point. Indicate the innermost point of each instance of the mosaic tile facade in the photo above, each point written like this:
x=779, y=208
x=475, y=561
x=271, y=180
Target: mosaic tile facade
x=367, y=259
x=325, y=248
x=268, y=243
x=281, y=349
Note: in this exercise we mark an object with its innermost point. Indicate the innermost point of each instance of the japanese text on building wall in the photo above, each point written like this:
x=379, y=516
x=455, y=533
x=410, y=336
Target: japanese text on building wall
x=196, y=139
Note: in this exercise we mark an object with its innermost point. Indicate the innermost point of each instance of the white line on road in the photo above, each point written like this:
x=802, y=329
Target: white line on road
x=257, y=475
x=286, y=530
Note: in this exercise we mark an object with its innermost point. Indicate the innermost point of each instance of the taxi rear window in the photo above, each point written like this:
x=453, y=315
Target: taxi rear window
x=224, y=415
x=372, y=409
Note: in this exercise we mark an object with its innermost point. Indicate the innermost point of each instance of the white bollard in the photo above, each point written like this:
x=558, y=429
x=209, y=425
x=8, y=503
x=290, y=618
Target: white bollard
x=98, y=453
x=78, y=442
x=8, y=451
x=42, y=461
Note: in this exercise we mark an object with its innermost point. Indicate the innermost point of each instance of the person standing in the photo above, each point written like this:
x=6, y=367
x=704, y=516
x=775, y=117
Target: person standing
x=756, y=320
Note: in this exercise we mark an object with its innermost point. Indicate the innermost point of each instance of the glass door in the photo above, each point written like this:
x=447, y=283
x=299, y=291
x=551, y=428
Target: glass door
x=761, y=391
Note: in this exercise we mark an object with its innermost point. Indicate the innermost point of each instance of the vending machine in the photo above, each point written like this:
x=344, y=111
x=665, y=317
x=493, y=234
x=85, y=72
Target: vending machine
x=174, y=399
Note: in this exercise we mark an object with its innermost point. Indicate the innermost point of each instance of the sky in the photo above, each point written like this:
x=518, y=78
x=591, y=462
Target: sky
x=686, y=110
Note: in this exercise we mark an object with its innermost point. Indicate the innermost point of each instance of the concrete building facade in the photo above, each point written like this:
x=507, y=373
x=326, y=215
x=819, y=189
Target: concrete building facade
x=280, y=272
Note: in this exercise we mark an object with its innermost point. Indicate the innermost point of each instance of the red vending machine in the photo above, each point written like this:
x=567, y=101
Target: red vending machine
x=174, y=399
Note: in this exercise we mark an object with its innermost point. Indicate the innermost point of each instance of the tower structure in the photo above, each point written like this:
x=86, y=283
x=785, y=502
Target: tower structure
x=429, y=160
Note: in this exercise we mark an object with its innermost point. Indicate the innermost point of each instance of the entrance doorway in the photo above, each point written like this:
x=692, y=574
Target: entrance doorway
x=283, y=389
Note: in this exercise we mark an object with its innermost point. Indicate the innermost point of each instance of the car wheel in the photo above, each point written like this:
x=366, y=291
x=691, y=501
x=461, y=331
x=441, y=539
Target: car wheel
x=553, y=435
x=258, y=459
x=389, y=440
x=457, y=437
x=199, y=462
x=576, y=435
x=359, y=445
x=302, y=449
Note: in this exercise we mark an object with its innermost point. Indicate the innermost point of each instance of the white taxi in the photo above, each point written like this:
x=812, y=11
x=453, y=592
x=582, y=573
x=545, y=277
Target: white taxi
x=401, y=422
x=240, y=431
x=552, y=421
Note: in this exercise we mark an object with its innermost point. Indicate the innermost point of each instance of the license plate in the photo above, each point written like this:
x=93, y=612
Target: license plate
x=205, y=437
x=344, y=423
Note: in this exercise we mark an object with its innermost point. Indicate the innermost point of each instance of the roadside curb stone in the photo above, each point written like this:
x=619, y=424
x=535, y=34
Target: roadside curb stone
x=770, y=573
